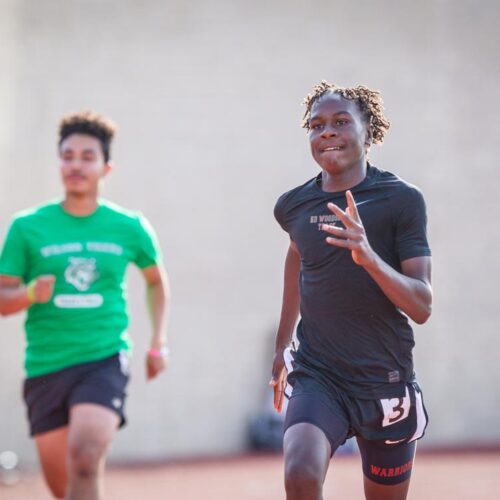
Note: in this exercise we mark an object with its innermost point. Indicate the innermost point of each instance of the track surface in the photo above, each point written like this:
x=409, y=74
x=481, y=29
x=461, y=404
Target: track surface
x=436, y=477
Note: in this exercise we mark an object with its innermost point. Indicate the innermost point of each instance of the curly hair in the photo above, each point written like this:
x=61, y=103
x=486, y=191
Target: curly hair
x=89, y=123
x=369, y=101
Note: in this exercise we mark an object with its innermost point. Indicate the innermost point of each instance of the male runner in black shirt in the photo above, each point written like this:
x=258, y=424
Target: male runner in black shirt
x=358, y=265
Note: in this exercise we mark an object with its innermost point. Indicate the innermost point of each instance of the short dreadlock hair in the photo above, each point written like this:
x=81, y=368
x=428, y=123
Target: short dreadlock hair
x=369, y=101
x=89, y=123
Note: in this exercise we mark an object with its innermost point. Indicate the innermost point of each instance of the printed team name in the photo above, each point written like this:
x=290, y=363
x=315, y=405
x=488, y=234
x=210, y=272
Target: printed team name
x=76, y=247
x=392, y=471
x=323, y=219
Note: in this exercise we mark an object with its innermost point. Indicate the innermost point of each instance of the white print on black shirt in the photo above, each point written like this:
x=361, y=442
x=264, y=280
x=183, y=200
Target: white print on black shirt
x=329, y=218
x=323, y=219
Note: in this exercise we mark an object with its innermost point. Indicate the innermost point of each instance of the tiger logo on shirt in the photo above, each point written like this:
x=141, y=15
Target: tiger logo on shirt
x=81, y=273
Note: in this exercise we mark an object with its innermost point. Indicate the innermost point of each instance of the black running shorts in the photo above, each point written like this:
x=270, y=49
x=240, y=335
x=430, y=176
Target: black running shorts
x=49, y=397
x=386, y=429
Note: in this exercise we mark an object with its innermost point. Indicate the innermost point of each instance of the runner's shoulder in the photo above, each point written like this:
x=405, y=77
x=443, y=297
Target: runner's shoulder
x=123, y=216
x=297, y=191
x=113, y=209
x=399, y=192
x=34, y=214
x=395, y=185
x=295, y=196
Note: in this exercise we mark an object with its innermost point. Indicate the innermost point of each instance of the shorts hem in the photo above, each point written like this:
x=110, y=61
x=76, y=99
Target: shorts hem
x=333, y=444
x=46, y=427
x=123, y=420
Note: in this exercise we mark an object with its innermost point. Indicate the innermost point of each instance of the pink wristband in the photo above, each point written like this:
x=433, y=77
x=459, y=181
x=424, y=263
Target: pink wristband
x=159, y=353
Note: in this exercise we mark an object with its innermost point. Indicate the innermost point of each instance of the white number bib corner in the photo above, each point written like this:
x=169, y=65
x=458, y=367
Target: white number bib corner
x=395, y=409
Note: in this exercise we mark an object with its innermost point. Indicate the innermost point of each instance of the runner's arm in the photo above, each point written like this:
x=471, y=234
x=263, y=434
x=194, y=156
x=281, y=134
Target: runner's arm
x=409, y=290
x=15, y=297
x=291, y=298
x=289, y=315
x=158, y=297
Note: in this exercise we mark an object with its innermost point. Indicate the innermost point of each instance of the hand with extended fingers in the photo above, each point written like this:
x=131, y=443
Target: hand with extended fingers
x=352, y=236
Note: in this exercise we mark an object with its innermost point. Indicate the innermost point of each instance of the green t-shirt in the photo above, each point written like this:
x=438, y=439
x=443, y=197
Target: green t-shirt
x=87, y=317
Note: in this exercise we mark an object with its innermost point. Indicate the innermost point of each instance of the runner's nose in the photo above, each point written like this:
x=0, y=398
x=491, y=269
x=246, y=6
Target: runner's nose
x=329, y=131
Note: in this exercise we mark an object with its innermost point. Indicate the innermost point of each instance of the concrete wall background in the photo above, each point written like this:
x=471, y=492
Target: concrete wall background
x=207, y=96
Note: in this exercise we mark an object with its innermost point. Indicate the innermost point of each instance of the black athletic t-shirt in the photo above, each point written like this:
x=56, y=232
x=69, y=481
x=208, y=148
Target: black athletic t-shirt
x=349, y=331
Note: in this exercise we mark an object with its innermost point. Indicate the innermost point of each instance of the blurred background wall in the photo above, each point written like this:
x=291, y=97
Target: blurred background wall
x=207, y=96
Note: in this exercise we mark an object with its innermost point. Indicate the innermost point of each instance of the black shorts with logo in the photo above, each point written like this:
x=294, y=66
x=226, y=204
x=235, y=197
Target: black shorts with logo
x=386, y=429
x=49, y=397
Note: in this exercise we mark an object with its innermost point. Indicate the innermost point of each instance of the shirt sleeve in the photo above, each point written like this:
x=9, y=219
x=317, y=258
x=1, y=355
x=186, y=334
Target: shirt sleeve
x=279, y=213
x=149, y=253
x=411, y=227
x=14, y=256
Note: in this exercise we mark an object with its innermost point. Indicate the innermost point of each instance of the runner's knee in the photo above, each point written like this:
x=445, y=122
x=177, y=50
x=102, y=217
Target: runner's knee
x=302, y=480
x=84, y=458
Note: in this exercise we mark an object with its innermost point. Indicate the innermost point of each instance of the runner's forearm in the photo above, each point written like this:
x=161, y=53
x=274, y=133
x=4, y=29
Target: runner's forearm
x=412, y=295
x=13, y=300
x=291, y=300
x=158, y=299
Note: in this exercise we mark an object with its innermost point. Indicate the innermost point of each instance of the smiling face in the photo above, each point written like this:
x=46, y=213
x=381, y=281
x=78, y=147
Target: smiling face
x=82, y=164
x=338, y=134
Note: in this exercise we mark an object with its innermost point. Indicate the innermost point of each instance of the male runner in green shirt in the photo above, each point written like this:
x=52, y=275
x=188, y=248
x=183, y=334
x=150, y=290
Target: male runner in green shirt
x=65, y=262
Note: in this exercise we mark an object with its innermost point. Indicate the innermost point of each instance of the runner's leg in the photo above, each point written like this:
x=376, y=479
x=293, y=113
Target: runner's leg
x=52, y=449
x=375, y=491
x=307, y=456
x=91, y=430
x=387, y=469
